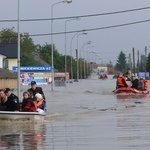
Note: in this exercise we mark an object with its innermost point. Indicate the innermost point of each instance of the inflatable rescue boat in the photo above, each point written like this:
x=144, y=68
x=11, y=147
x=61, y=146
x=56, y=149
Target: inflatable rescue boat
x=130, y=90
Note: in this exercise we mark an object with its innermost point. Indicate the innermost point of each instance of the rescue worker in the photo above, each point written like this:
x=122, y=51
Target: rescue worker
x=144, y=83
x=121, y=81
x=34, y=89
x=135, y=82
x=141, y=84
x=12, y=103
x=128, y=74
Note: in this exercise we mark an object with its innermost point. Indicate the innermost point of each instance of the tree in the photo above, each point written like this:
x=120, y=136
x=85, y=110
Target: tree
x=121, y=62
x=45, y=53
x=142, y=63
x=148, y=63
x=8, y=36
x=27, y=47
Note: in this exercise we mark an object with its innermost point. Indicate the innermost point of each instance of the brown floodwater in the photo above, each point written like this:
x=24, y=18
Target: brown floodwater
x=85, y=115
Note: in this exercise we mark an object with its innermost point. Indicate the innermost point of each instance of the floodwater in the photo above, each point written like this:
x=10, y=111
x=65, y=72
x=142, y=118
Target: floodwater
x=85, y=115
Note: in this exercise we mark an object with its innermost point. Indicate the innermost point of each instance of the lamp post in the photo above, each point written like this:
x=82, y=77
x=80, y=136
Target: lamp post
x=52, y=48
x=71, y=54
x=88, y=59
x=94, y=54
x=89, y=42
x=71, y=50
x=80, y=55
x=18, y=61
x=77, y=18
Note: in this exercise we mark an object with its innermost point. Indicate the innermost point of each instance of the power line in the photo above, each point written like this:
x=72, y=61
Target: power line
x=94, y=29
x=81, y=16
x=91, y=29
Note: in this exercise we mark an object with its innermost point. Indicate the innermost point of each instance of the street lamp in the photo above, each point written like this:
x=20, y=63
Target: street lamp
x=88, y=71
x=52, y=52
x=18, y=61
x=71, y=50
x=80, y=55
x=89, y=42
x=77, y=18
x=94, y=54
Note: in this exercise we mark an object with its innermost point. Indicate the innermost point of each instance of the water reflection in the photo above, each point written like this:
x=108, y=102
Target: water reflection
x=132, y=129
x=131, y=96
x=22, y=135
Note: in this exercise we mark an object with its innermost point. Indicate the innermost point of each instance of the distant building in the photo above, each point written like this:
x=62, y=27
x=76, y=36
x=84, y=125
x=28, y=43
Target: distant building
x=112, y=70
x=102, y=69
x=8, y=55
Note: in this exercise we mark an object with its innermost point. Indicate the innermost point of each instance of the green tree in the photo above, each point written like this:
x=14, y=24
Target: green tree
x=148, y=63
x=142, y=63
x=27, y=47
x=45, y=53
x=121, y=62
x=8, y=36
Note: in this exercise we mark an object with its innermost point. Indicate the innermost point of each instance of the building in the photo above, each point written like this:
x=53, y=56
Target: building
x=8, y=55
x=8, y=79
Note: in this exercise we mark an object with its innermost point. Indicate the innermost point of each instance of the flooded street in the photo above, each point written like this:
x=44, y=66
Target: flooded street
x=85, y=115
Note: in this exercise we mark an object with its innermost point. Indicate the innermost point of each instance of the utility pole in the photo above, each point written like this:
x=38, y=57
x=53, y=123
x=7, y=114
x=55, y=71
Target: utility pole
x=138, y=63
x=130, y=61
x=145, y=59
x=133, y=60
x=77, y=78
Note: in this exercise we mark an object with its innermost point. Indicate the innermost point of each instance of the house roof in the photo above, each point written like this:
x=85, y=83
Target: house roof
x=5, y=73
x=9, y=49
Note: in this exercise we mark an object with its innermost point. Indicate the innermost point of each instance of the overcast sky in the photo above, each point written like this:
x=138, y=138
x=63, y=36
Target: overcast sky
x=107, y=42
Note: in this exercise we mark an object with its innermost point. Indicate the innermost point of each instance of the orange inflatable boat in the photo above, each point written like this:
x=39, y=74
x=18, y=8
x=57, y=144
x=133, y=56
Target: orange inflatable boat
x=103, y=76
x=129, y=90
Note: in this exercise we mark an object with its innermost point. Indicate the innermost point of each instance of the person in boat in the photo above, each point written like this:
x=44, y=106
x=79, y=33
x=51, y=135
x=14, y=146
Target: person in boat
x=143, y=84
x=128, y=74
x=135, y=82
x=12, y=103
x=39, y=103
x=27, y=102
x=34, y=89
x=121, y=81
x=105, y=76
x=3, y=99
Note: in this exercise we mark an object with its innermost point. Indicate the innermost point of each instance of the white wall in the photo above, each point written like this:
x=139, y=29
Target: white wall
x=1, y=60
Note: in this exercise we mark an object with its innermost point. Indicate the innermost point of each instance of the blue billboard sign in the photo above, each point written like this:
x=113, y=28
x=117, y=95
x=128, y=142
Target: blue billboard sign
x=33, y=68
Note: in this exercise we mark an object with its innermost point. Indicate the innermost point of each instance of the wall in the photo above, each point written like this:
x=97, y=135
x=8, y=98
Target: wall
x=1, y=60
x=11, y=63
x=8, y=83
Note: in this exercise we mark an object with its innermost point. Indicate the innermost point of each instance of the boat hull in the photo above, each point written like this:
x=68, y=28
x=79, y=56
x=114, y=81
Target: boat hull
x=130, y=90
x=21, y=115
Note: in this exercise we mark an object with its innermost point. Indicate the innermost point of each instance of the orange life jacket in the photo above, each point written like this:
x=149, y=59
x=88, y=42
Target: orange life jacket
x=119, y=81
x=37, y=104
x=145, y=84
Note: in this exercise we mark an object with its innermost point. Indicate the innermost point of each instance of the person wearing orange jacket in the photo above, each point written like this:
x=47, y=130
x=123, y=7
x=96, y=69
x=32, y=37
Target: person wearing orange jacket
x=39, y=103
x=121, y=81
x=143, y=84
